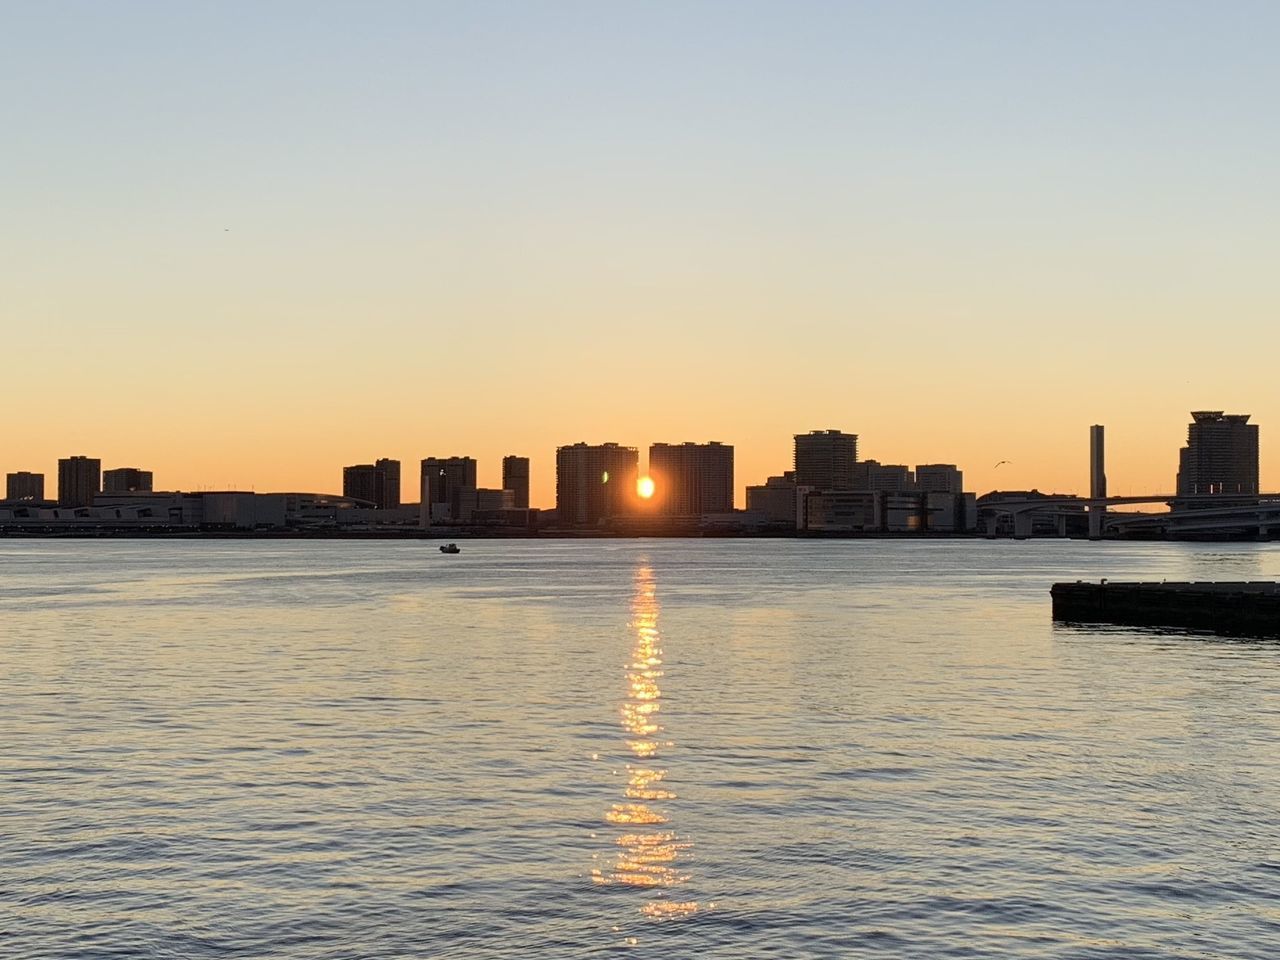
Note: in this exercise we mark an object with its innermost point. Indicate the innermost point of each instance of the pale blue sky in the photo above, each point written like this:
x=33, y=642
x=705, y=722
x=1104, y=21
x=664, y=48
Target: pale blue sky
x=776, y=216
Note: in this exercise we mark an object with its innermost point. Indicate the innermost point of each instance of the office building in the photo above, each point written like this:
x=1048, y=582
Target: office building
x=939, y=478
x=79, y=481
x=24, y=486
x=126, y=480
x=1221, y=455
x=824, y=459
x=515, y=477
x=595, y=482
x=774, y=500
x=692, y=479
x=883, y=477
x=448, y=487
x=492, y=501
x=377, y=483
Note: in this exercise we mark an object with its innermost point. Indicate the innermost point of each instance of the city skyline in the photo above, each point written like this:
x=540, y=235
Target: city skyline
x=376, y=482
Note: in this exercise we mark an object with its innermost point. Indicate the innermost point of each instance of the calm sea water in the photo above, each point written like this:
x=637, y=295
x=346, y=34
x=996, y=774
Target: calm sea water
x=652, y=748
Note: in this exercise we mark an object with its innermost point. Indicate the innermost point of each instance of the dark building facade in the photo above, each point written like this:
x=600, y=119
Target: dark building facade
x=448, y=486
x=692, y=479
x=1221, y=455
x=824, y=459
x=515, y=477
x=79, y=481
x=389, y=491
x=939, y=478
x=126, y=480
x=24, y=486
x=886, y=477
x=359, y=481
x=378, y=483
x=595, y=482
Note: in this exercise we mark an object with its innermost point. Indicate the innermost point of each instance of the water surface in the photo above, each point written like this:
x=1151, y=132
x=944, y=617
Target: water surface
x=722, y=748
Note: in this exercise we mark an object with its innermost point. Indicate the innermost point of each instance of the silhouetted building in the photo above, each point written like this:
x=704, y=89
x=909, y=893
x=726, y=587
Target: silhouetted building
x=824, y=459
x=126, y=480
x=388, y=497
x=24, y=486
x=595, y=482
x=1221, y=455
x=691, y=479
x=515, y=477
x=939, y=478
x=775, y=500
x=378, y=483
x=79, y=481
x=887, y=477
x=489, y=501
x=448, y=489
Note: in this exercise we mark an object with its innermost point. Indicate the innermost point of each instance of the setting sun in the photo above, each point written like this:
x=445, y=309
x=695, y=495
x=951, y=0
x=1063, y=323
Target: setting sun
x=644, y=487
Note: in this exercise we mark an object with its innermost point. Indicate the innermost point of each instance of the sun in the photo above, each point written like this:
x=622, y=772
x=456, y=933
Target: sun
x=644, y=487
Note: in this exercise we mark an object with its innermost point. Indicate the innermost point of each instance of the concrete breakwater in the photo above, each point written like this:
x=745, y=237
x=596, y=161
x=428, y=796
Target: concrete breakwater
x=1249, y=608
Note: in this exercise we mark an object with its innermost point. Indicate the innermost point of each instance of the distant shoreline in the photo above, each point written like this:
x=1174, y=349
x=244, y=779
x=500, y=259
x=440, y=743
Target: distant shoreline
x=508, y=534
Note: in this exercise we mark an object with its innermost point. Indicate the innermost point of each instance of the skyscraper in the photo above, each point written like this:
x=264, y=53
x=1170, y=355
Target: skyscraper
x=691, y=479
x=824, y=459
x=595, y=482
x=24, y=486
x=389, y=492
x=515, y=477
x=359, y=481
x=448, y=488
x=1221, y=455
x=79, y=481
x=126, y=480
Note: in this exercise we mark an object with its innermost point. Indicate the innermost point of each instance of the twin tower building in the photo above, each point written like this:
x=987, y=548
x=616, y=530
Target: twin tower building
x=594, y=483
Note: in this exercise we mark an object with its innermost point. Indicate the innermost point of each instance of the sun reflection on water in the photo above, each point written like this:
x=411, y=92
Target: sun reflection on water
x=648, y=853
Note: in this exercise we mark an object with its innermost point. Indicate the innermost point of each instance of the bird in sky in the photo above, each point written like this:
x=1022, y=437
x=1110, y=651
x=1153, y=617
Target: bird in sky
x=1001, y=463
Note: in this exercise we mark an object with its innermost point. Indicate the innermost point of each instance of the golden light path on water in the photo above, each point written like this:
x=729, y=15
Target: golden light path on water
x=648, y=849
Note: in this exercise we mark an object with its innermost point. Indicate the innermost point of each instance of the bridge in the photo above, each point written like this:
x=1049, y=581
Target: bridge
x=1195, y=513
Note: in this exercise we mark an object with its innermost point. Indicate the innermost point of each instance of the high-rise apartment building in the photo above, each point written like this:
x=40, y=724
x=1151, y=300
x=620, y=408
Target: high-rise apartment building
x=824, y=459
x=939, y=478
x=24, y=486
x=378, y=483
x=595, y=482
x=515, y=477
x=1221, y=455
x=388, y=491
x=126, y=480
x=448, y=488
x=691, y=479
x=79, y=481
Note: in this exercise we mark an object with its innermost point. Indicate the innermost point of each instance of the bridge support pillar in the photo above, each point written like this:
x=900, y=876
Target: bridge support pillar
x=1022, y=524
x=1097, y=513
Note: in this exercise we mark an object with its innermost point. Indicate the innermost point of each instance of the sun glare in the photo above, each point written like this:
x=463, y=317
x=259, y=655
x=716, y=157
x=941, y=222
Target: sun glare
x=644, y=487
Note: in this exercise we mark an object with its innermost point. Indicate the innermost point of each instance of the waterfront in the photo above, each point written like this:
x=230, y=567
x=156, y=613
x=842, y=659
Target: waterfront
x=556, y=749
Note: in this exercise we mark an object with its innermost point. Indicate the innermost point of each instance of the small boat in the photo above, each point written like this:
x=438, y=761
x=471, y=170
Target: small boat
x=450, y=548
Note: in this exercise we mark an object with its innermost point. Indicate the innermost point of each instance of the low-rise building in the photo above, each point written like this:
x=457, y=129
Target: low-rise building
x=774, y=500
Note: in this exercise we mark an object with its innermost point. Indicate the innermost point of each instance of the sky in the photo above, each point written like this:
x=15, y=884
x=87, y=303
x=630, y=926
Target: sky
x=244, y=244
